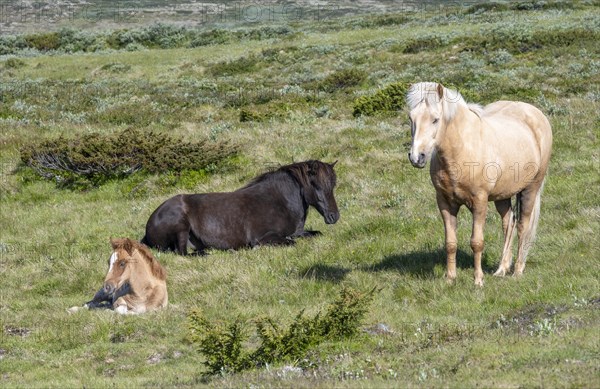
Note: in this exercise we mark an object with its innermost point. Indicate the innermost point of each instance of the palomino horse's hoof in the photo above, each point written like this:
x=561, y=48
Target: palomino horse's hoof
x=500, y=273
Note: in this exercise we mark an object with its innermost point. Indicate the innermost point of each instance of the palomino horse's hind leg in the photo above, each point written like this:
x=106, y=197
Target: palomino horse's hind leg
x=527, y=224
x=479, y=211
x=449, y=212
x=504, y=208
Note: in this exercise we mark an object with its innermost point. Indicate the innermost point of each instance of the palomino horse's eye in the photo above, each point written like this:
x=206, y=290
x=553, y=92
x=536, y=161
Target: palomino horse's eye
x=122, y=264
x=435, y=120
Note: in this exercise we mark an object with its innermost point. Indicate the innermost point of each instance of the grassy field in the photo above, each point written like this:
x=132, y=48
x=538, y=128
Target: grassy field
x=290, y=98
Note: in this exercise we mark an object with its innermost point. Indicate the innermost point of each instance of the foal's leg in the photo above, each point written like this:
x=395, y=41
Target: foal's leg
x=479, y=211
x=504, y=208
x=449, y=212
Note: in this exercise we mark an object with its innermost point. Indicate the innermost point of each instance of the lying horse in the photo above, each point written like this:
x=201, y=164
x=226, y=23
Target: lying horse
x=135, y=282
x=479, y=155
x=271, y=209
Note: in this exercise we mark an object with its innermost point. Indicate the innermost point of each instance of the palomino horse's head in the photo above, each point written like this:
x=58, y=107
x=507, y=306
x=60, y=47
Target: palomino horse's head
x=320, y=181
x=129, y=260
x=431, y=107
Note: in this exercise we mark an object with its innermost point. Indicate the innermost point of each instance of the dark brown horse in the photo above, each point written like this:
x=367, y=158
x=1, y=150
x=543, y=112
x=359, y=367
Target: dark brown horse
x=271, y=209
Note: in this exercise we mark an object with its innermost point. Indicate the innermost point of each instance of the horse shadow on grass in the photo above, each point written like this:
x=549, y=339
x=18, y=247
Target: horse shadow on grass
x=418, y=264
x=321, y=272
x=421, y=264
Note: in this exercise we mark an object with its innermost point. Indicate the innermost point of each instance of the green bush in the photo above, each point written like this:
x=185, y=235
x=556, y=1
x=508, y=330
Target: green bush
x=92, y=159
x=14, y=63
x=342, y=79
x=240, y=65
x=223, y=344
x=387, y=100
x=43, y=42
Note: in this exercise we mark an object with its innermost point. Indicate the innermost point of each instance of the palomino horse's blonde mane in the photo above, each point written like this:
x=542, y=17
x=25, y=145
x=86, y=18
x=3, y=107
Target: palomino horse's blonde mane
x=434, y=93
x=130, y=246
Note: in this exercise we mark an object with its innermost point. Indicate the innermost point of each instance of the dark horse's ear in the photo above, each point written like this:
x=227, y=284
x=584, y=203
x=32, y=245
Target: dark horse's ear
x=312, y=168
x=440, y=91
x=333, y=164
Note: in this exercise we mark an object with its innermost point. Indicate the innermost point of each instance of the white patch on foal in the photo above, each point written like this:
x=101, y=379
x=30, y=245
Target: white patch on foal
x=113, y=258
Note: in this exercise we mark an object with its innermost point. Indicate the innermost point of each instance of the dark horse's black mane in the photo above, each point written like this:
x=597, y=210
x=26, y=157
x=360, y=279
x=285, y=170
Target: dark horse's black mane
x=298, y=170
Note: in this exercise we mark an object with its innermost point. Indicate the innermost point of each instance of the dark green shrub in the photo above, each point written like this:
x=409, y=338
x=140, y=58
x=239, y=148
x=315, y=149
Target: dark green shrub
x=43, y=42
x=116, y=67
x=240, y=65
x=417, y=45
x=223, y=344
x=212, y=37
x=14, y=63
x=342, y=79
x=385, y=101
x=248, y=115
x=92, y=159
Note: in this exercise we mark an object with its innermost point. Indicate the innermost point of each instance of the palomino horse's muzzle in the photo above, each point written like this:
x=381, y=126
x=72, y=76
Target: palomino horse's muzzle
x=418, y=161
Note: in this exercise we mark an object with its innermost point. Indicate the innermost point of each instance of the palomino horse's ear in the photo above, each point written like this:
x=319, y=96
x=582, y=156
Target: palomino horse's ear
x=440, y=91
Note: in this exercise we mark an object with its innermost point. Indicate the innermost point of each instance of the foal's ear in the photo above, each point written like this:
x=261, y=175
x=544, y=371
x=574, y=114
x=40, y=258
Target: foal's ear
x=440, y=91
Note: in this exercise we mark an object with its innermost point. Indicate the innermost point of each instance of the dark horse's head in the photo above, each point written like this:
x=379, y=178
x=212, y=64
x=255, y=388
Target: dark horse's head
x=318, y=182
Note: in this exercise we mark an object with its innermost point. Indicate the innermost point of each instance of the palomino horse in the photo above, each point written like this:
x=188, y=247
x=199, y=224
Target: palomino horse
x=135, y=282
x=271, y=209
x=479, y=155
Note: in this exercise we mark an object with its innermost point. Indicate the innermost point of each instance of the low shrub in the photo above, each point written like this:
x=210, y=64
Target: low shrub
x=14, y=63
x=43, y=42
x=342, y=79
x=385, y=101
x=92, y=159
x=223, y=344
x=238, y=66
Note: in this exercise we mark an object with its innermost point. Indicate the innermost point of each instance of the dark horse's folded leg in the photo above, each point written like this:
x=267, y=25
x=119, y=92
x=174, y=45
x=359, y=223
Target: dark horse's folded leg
x=272, y=238
x=308, y=234
x=101, y=300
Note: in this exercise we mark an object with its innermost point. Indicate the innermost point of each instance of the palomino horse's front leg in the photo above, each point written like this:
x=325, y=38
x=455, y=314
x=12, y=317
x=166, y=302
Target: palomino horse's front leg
x=504, y=208
x=449, y=212
x=479, y=211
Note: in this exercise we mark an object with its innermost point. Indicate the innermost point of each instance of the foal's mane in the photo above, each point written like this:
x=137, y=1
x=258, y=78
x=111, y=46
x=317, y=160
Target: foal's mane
x=299, y=170
x=434, y=93
x=130, y=246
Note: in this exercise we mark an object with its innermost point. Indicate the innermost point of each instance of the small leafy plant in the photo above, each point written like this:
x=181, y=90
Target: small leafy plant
x=223, y=344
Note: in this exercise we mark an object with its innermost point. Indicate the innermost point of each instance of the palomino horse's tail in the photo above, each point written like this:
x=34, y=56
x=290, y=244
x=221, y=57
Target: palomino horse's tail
x=529, y=233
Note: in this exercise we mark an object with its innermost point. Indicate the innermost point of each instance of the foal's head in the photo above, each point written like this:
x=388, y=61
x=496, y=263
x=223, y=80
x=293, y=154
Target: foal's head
x=318, y=189
x=129, y=263
x=431, y=108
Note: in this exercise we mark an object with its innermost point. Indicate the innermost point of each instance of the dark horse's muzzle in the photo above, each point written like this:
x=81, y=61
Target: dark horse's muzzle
x=331, y=217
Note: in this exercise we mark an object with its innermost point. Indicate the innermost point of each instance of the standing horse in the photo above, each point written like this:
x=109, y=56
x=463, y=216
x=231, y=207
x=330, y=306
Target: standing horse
x=480, y=155
x=271, y=209
x=135, y=282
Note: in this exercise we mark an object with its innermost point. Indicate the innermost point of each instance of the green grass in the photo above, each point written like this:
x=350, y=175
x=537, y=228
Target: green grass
x=536, y=331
